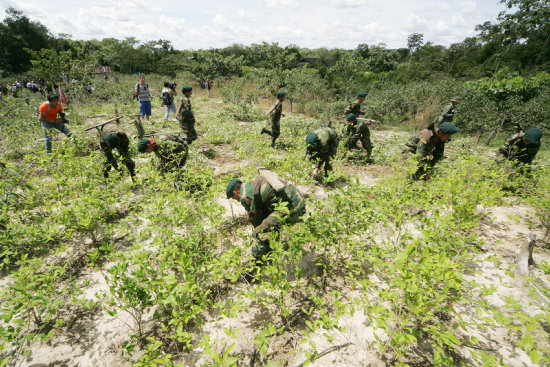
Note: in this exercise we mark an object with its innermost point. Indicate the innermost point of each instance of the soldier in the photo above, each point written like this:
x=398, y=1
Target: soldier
x=275, y=118
x=521, y=147
x=448, y=113
x=321, y=146
x=355, y=107
x=428, y=147
x=185, y=114
x=259, y=198
x=355, y=131
x=116, y=140
x=171, y=152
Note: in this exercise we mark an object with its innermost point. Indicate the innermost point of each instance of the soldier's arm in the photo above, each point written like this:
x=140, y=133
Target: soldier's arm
x=272, y=108
x=422, y=149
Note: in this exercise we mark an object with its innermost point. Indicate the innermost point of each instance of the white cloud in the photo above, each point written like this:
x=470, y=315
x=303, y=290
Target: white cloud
x=280, y=3
x=172, y=24
x=415, y=23
x=243, y=14
x=347, y=3
x=468, y=7
x=443, y=6
x=458, y=21
x=441, y=26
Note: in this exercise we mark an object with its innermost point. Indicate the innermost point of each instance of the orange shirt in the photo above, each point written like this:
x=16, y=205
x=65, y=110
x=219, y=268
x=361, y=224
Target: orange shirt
x=52, y=114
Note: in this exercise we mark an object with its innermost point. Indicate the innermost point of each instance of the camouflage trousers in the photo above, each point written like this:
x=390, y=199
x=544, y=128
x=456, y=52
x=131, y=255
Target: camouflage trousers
x=110, y=162
x=189, y=131
x=365, y=142
x=275, y=130
x=424, y=166
x=272, y=224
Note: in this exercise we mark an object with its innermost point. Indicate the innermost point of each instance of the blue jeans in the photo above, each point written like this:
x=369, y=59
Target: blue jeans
x=145, y=108
x=48, y=128
x=167, y=109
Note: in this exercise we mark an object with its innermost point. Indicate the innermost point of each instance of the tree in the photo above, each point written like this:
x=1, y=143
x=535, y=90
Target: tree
x=209, y=65
x=346, y=71
x=414, y=42
x=17, y=35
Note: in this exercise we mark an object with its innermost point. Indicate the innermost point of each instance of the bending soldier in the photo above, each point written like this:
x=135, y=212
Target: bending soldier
x=119, y=141
x=428, y=147
x=185, y=114
x=355, y=107
x=355, y=131
x=448, y=113
x=171, y=152
x=275, y=118
x=521, y=147
x=259, y=199
x=321, y=146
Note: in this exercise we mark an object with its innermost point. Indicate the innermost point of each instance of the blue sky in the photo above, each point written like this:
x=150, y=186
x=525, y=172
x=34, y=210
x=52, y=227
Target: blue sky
x=306, y=23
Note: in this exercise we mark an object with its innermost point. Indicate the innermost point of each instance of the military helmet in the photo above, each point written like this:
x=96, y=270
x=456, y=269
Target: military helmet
x=361, y=94
x=231, y=186
x=533, y=135
x=311, y=140
x=448, y=128
x=186, y=88
x=142, y=145
x=350, y=116
x=281, y=94
x=456, y=99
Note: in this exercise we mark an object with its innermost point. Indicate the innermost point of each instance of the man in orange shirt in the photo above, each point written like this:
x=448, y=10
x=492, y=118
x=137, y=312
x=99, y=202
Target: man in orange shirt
x=49, y=120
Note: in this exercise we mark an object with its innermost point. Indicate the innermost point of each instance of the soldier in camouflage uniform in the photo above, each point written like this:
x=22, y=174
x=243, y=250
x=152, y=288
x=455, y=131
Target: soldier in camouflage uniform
x=275, y=118
x=259, y=199
x=321, y=146
x=428, y=147
x=357, y=131
x=355, y=107
x=118, y=140
x=171, y=152
x=448, y=113
x=521, y=147
x=185, y=116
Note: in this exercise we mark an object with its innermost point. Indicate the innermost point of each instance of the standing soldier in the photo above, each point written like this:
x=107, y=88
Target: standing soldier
x=171, y=152
x=321, y=146
x=428, y=147
x=185, y=114
x=116, y=140
x=275, y=118
x=521, y=147
x=259, y=198
x=355, y=107
x=355, y=131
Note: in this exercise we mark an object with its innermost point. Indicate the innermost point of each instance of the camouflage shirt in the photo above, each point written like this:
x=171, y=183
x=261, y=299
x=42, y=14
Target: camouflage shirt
x=172, y=153
x=184, y=111
x=356, y=130
x=259, y=199
x=515, y=149
x=425, y=144
x=328, y=143
x=277, y=110
x=355, y=108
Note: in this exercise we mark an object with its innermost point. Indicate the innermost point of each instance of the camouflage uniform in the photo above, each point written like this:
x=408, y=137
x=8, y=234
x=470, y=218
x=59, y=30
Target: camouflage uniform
x=186, y=119
x=259, y=199
x=123, y=150
x=355, y=108
x=448, y=113
x=172, y=153
x=356, y=131
x=326, y=151
x=275, y=121
x=427, y=149
x=515, y=149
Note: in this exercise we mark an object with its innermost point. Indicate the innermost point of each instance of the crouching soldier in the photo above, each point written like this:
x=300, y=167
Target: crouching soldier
x=172, y=152
x=119, y=141
x=521, y=147
x=321, y=147
x=357, y=131
x=259, y=198
x=428, y=147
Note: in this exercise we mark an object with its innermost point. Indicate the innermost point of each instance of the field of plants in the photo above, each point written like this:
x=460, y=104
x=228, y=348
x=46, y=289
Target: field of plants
x=380, y=271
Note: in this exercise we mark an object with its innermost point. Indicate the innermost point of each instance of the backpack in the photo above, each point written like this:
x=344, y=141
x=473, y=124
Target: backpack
x=138, y=85
x=166, y=99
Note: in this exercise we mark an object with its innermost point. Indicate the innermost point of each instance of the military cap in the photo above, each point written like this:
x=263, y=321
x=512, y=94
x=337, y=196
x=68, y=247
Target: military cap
x=361, y=94
x=231, y=186
x=281, y=94
x=142, y=145
x=111, y=139
x=533, y=135
x=311, y=139
x=455, y=99
x=448, y=128
x=350, y=117
x=186, y=88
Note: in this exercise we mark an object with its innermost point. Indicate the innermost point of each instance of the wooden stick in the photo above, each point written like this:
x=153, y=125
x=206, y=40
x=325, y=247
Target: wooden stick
x=525, y=256
x=103, y=123
x=334, y=348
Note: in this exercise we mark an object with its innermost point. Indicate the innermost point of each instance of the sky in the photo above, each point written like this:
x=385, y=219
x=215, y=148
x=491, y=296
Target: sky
x=306, y=23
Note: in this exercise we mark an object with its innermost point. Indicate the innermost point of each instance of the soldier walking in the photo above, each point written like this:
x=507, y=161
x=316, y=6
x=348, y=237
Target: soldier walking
x=185, y=114
x=355, y=107
x=357, y=130
x=428, y=148
x=275, y=118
